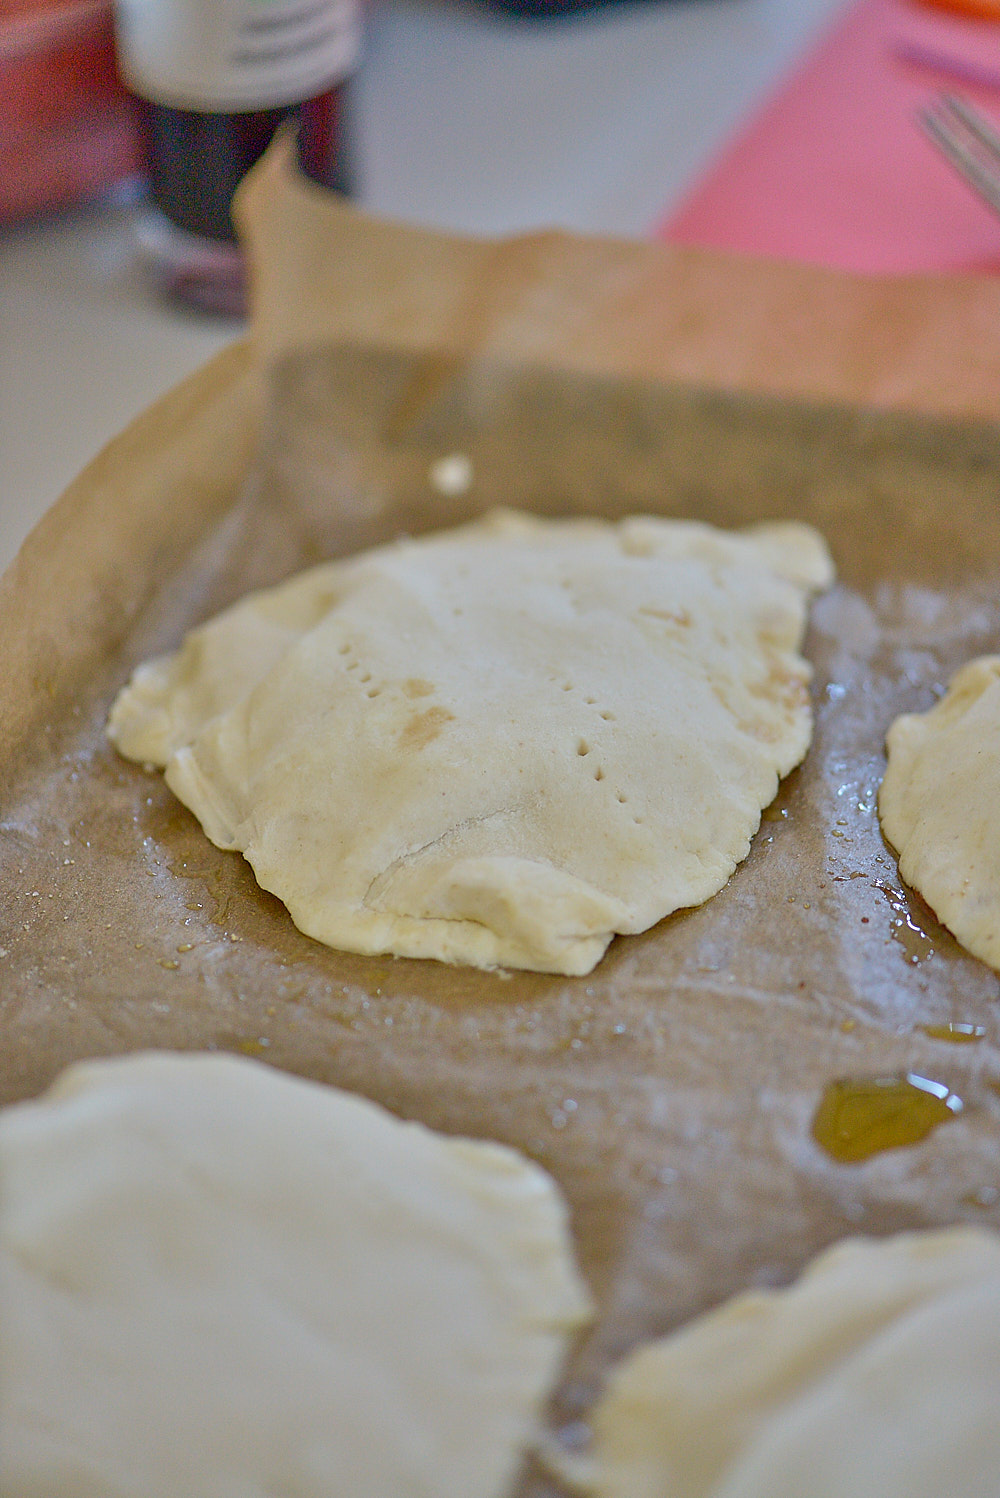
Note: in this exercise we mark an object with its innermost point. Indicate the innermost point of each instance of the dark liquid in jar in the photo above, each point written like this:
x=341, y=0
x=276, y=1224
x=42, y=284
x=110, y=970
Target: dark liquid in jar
x=195, y=159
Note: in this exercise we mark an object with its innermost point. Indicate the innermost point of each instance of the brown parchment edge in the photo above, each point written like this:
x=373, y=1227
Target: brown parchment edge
x=117, y=534
x=323, y=270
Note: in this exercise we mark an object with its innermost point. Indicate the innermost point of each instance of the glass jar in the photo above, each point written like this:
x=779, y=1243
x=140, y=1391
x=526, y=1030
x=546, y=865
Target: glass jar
x=215, y=79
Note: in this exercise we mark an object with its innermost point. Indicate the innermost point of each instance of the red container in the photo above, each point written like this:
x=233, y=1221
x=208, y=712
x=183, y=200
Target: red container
x=68, y=127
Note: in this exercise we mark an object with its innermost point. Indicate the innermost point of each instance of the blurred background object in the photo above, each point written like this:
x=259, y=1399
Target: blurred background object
x=215, y=79
x=68, y=129
x=834, y=169
x=984, y=10
x=783, y=128
x=462, y=117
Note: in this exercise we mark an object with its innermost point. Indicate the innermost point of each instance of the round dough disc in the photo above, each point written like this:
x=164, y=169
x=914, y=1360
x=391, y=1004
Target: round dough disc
x=221, y=1281
x=874, y=1374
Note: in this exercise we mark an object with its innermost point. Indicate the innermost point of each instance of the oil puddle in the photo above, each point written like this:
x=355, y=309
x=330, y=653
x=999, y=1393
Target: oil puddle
x=904, y=928
x=858, y=1118
x=956, y=1031
x=216, y=884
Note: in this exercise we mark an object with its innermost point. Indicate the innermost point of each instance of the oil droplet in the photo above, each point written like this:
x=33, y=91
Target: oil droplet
x=185, y=870
x=168, y=962
x=774, y=813
x=961, y=1034
x=860, y=1118
x=915, y=942
x=252, y=1047
x=214, y=881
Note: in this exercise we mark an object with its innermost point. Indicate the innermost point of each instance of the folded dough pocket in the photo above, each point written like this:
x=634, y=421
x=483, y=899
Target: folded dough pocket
x=501, y=744
x=546, y=918
x=171, y=698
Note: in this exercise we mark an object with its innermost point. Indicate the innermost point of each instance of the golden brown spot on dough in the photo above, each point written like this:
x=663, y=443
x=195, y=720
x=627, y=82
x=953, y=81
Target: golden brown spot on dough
x=756, y=728
x=784, y=692
x=424, y=727
x=416, y=686
x=672, y=616
x=781, y=685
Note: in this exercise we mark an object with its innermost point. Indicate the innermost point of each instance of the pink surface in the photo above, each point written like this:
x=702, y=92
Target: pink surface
x=834, y=169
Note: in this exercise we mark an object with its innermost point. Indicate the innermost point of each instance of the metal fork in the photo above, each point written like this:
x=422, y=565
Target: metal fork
x=969, y=141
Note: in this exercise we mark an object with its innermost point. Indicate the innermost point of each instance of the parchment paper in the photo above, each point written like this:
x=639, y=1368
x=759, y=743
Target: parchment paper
x=671, y=1092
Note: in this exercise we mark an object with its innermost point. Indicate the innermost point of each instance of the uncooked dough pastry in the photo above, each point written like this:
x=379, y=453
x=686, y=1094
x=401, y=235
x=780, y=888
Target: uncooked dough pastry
x=500, y=744
x=939, y=805
x=218, y=1279
x=875, y=1374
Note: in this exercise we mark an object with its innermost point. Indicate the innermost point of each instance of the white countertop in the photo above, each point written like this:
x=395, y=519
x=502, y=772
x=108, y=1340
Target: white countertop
x=464, y=118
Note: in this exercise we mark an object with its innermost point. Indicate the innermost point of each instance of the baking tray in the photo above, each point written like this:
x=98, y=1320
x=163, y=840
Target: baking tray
x=672, y=1091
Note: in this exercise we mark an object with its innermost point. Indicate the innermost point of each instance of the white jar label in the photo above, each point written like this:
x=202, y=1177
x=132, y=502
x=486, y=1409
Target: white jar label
x=235, y=55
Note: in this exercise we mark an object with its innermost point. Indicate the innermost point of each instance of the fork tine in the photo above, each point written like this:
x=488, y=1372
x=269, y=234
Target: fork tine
x=969, y=142
x=975, y=123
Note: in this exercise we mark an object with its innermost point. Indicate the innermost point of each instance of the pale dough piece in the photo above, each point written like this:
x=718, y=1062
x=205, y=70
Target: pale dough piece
x=221, y=1281
x=874, y=1376
x=939, y=805
x=500, y=744
x=170, y=698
